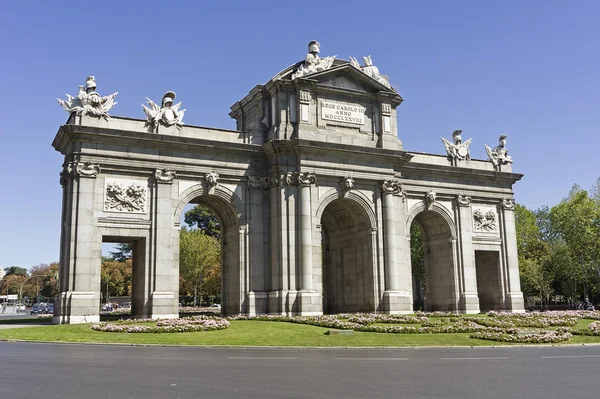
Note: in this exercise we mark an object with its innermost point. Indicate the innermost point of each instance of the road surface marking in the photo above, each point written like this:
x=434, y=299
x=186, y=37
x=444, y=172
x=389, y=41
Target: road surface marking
x=474, y=358
x=263, y=358
x=371, y=358
x=563, y=357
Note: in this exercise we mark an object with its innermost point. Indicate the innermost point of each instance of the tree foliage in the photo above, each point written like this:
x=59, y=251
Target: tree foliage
x=116, y=278
x=124, y=251
x=199, y=263
x=16, y=270
x=203, y=218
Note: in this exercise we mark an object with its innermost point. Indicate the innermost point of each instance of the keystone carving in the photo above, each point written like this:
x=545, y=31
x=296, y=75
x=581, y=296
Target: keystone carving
x=347, y=183
x=463, y=200
x=300, y=178
x=430, y=198
x=164, y=175
x=485, y=221
x=212, y=179
x=392, y=186
x=88, y=101
x=125, y=196
x=508, y=203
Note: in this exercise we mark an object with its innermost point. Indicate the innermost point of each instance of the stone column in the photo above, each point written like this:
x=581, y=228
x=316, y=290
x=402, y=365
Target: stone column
x=79, y=299
x=309, y=300
x=395, y=298
x=165, y=274
x=467, y=281
x=514, y=298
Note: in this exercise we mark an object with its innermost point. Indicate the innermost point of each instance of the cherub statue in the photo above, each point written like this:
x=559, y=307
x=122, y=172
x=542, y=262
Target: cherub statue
x=168, y=114
x=88, y=101
x=313, y=63
x=499, y=155
x=458, y=150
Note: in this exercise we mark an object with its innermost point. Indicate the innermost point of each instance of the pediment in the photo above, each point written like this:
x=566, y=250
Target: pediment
x=348, y=77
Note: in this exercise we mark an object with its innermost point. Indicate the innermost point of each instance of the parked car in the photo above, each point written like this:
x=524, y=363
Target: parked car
x=38, y=308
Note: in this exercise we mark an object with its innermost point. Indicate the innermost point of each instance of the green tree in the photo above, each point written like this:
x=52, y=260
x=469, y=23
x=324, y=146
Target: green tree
x=533, y=253
x=44, y=279
x=115, y=278
x=16, y=270
x=199, y=259
x=203, y=218
x=124, y=251
x=417, y=262
x=577, y=221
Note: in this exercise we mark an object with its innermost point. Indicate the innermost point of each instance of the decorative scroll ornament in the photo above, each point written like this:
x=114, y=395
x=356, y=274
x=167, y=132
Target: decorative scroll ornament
x=463, y=200
x=164, y=175
x=430, y=198
x=499, y=155
x=212, y=179
x=85, y=169
x=258, y=182
x=313, y=63
x=485, y=221
x=392, y=186
x=125, y=197
x=300, y=179
x=458, y=150
x=347, y=183
x=371, y=70
x=167, y=115
x=88, y=101
x=508, y=203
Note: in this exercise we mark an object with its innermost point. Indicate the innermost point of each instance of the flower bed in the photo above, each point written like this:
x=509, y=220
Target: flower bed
x=521, y=336
x=186, y=324
x=592, y=329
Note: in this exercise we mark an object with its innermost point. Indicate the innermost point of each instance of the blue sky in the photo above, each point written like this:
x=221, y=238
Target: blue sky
x=526, y=69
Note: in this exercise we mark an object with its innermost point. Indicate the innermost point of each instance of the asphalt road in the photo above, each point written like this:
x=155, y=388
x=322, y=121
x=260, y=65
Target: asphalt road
x=95, y=371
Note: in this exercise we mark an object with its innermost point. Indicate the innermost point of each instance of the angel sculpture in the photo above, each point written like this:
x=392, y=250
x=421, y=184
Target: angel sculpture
x=457, y=150
x=168, y=114
x=499, y=155
x=88, y=101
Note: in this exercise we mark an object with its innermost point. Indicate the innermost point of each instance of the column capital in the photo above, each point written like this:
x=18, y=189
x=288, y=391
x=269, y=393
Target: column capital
x=508, y=204
x=300, y=179
x=83, y=169
x=463, y=200
x=164, y=176
x=392, y=186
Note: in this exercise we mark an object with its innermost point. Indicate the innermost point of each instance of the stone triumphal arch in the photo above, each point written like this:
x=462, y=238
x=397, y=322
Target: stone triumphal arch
x=315, y=192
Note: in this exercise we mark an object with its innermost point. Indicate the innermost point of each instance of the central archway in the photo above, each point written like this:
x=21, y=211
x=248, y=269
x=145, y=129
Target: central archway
x=347, y=257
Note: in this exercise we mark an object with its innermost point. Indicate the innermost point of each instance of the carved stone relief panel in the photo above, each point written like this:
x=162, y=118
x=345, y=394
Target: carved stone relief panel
x=485, y=219
x=125, y=195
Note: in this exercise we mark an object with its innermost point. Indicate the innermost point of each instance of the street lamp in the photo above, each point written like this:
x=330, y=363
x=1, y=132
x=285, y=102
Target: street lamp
x=23, y=283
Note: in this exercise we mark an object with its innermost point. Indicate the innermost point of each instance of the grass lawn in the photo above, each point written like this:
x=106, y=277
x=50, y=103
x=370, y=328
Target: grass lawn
x=254, y=333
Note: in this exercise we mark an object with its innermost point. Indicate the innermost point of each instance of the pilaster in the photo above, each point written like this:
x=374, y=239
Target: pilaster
x=468, y=301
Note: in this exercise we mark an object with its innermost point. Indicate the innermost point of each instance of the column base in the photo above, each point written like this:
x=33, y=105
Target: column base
x=257, y=302
x=310, y=303
x=76, y=307
x=469, y=303
x=164, y=305
x=397, y=302
x=515, y=302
